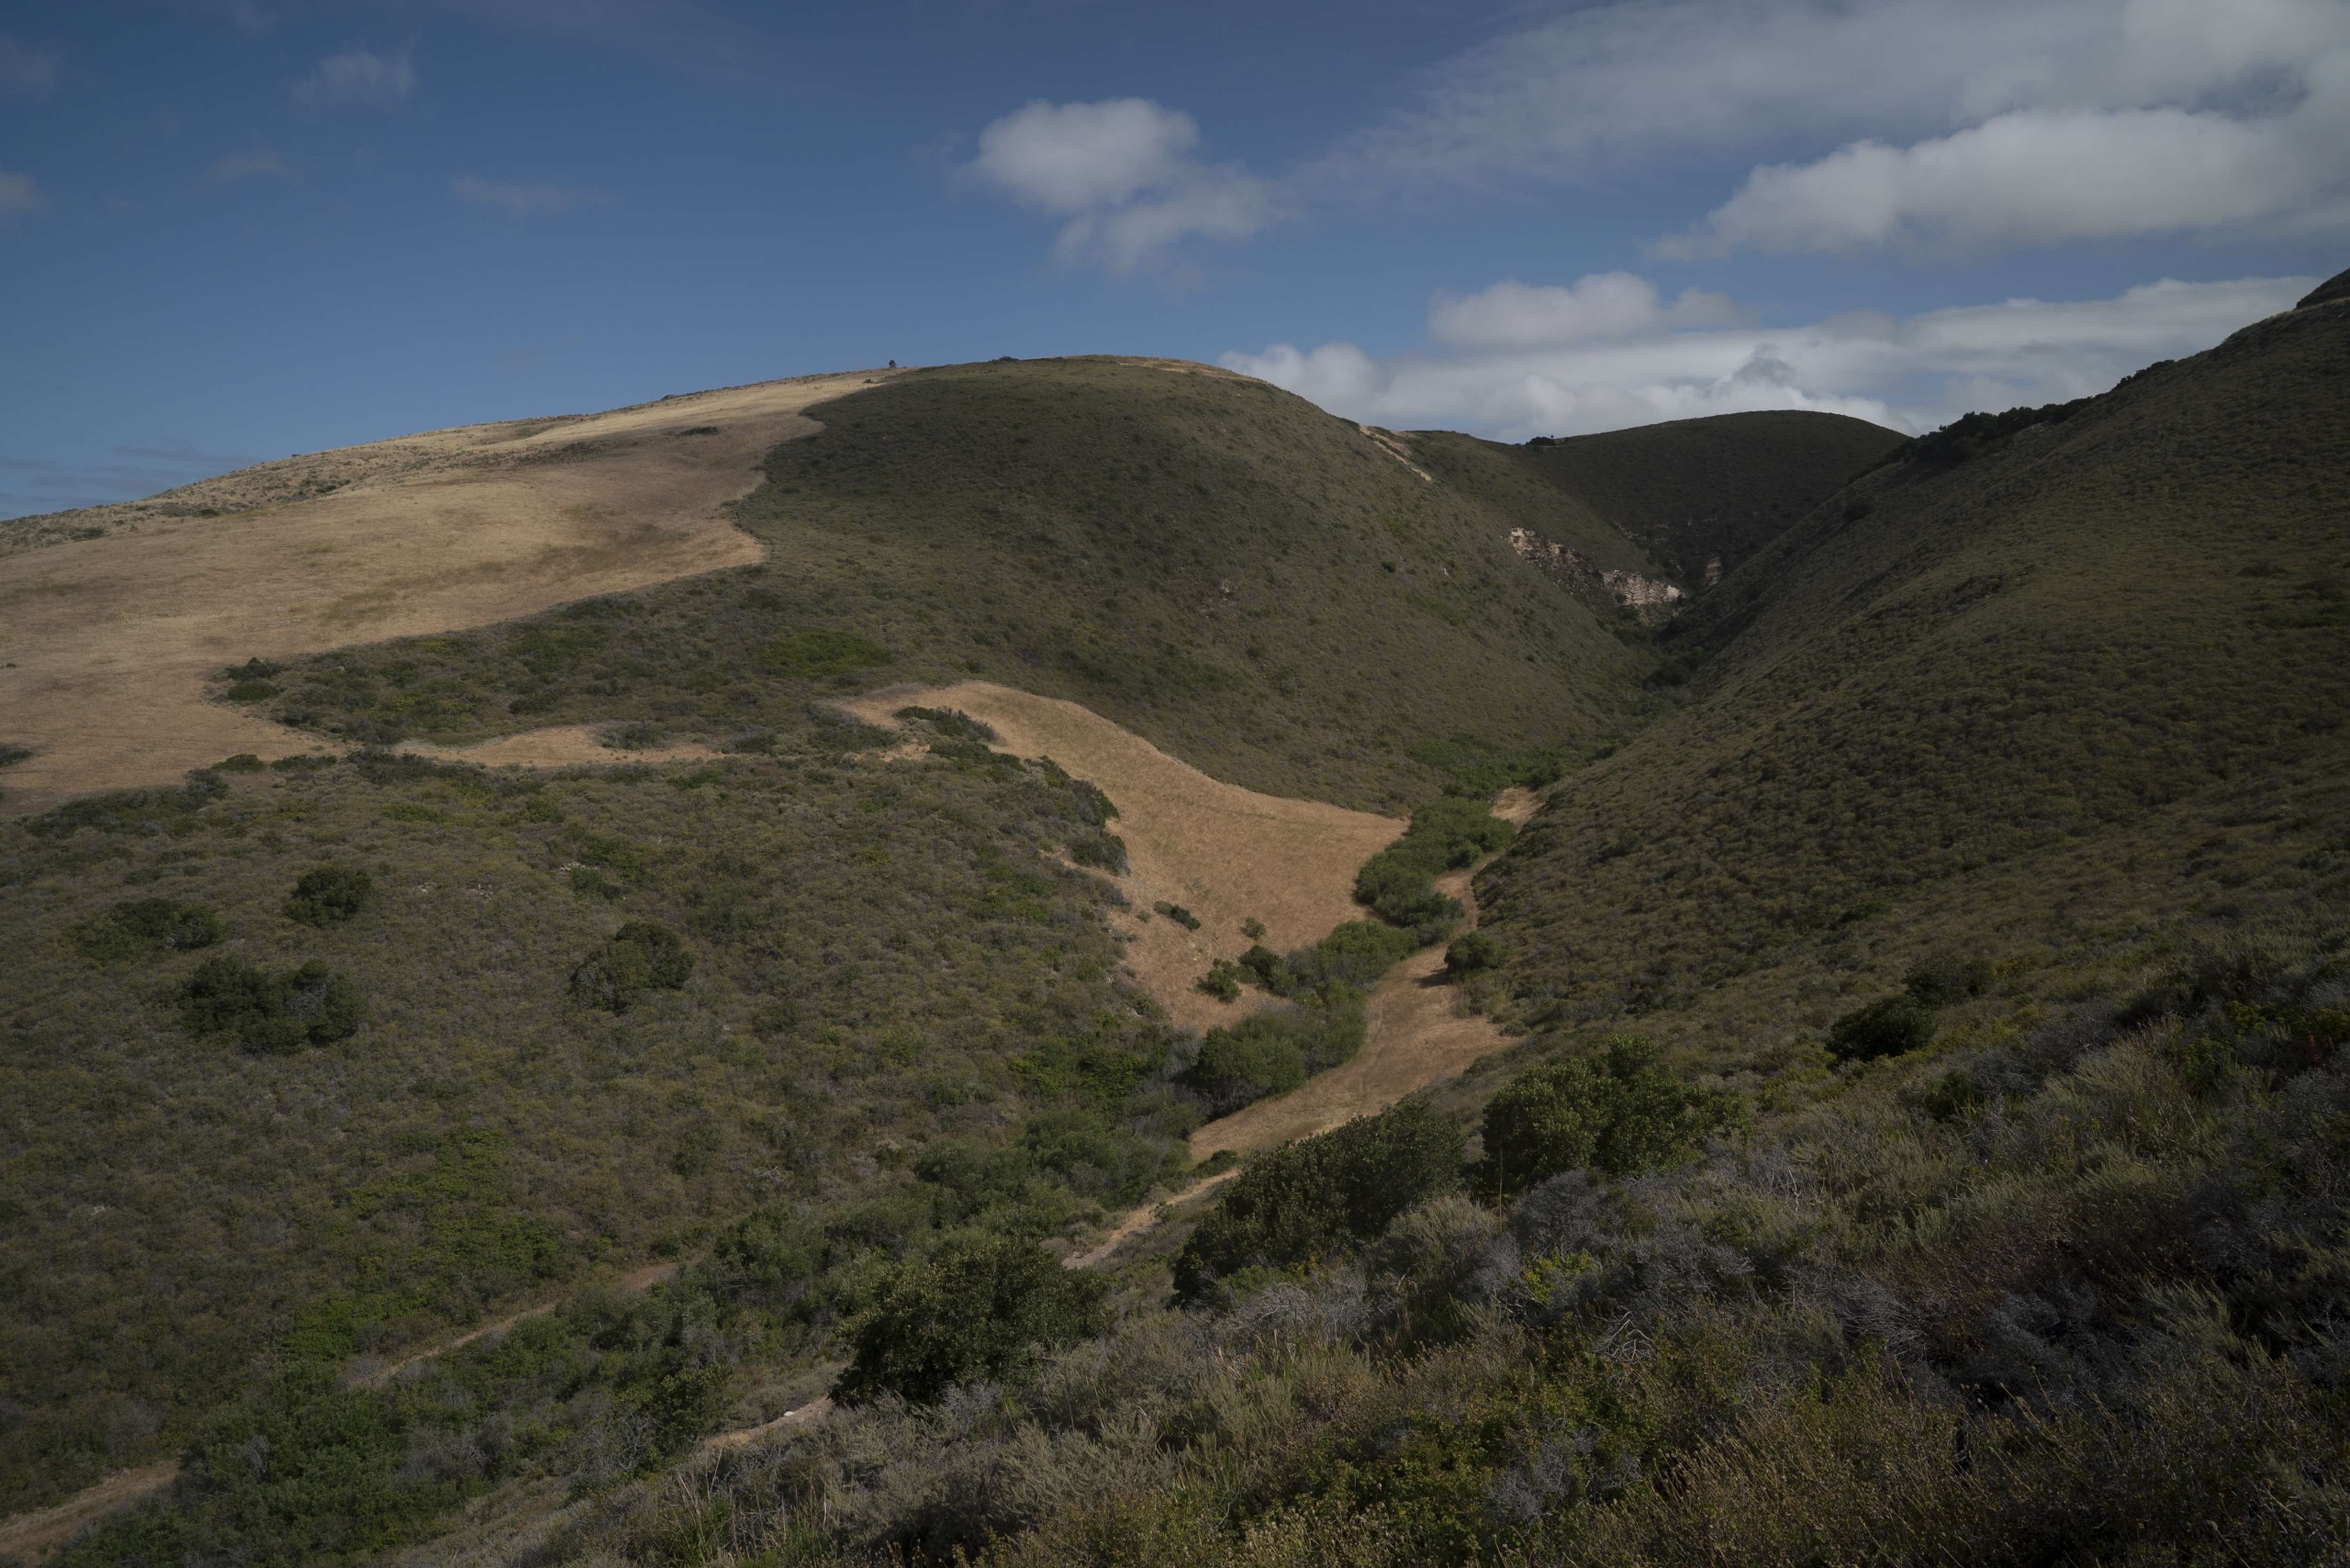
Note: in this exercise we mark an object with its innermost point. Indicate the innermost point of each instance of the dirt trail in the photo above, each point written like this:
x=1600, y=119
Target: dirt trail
x=30, y=1537
x=1224, y=853
x=1414, y=1036
x=106, y=643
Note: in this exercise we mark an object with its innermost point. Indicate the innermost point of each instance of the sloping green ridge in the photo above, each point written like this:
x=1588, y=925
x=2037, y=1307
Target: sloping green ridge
x=1969, y=703
x=1688, y=494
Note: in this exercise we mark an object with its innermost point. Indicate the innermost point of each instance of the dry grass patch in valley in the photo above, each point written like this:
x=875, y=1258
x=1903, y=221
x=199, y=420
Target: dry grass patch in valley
x=1224, y=852
x=106, y=643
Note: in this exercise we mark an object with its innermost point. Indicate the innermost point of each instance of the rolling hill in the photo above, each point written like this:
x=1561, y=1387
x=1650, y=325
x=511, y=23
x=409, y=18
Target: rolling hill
x=1923, y=1142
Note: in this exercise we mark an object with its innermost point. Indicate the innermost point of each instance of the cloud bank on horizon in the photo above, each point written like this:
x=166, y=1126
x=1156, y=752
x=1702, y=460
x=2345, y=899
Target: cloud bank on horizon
x=1919, y=130
x=1515, y=361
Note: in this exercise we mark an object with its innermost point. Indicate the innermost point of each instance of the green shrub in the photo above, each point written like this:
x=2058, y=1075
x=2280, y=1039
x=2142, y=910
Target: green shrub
x=270, y=1013
x=811, y=654
x=1470, y=952
x=147, y=925
x=638, y=957
x=639, y=736
x=1939, y=982
x=1106, y=851
x=978, y=1306
x=1617, y=1113
x=1447, y=834
x=250, y=690
x=1178, y=914
x=329, y=896
x=1296, y=1203
x=1252, y=929
x=1273, y=1051
x=243, y=763
x=954, y=724
x=1889, y=1026
x=1223, y=981
x=10, y=756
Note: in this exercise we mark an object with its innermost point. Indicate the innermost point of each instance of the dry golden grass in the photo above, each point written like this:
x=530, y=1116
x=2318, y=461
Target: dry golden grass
x=1224, y=853
x=105, y=643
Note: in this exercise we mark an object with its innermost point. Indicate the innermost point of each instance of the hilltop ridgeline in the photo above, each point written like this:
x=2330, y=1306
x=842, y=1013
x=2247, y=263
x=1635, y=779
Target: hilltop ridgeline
x=1270, y=593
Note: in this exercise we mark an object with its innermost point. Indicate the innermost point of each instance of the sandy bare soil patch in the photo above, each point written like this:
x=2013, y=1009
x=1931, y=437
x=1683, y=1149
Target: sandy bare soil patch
x=1224, y=853
x=106, y=643
x=562, y=746
x=1416, y=1036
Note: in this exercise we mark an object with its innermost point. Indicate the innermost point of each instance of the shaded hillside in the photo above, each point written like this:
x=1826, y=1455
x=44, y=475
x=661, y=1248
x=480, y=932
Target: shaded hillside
x=1261, y=589
x=1688, y=494
x=1980, y=702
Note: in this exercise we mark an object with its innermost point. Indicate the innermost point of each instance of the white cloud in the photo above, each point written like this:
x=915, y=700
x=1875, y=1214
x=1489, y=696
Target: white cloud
x=1513, y=315
x=2038, y=176
x=1122, y=174
x=1911, y=374
x=19, y=195
x=26, y=70
x=357, y=77
x=522, y=200
x=1903, y=122
x=245, y=166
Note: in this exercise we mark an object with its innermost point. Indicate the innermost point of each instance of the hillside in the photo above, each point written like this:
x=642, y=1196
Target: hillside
x=1917, y=705
x=2023, y=749
x=1697, y=497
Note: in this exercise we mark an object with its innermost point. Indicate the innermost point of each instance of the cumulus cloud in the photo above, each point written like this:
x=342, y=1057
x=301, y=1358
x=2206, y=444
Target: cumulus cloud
x=357, y=77
x=1123, y=175
x=1513, y=315
x=1910, y=121
x=19, y=195
x=518, y=199
x=1911, y=374
x=2040, y=176
x=26, y=70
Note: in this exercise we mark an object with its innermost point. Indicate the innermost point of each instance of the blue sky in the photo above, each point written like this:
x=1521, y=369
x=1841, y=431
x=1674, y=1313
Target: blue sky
x=233, y=229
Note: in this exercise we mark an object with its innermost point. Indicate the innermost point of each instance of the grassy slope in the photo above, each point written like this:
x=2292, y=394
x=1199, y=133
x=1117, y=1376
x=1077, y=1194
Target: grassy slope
x=876, y=944
x=1972, y=707
x=2063, y=1287
x=1681, y=493
x=1253, y=585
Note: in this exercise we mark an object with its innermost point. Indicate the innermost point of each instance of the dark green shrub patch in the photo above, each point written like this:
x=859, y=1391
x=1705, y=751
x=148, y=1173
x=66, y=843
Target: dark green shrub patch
x=1178, y=914
x=10, y=756
x=1939, y=981
x=1296, y=1203
x=138, y=926
x=250, y=692
x=1617, y=1113
x=243, y=763
x=312, y=1005
x=329, y=896
x=1445, y=835
x=1223, y=981
x=809, y=654
x=978, y=1306
x=954, y=724
x=639, y=956
x=1471, y=951
x=1889, y=1026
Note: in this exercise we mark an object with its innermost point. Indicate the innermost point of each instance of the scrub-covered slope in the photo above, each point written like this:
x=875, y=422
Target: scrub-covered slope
x=1997, y=686
x=1262, y=590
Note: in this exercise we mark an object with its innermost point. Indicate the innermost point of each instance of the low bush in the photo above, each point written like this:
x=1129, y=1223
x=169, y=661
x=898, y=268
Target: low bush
x=1351, y=957
x=1178, y=914
x=329, y=896
x=137, y=926
x=267, y=1013
x=1617, y=1113
x=978, y=1307
x=1446, y=833
x=638, y=957
x=1223, y=981
x=1471, y=953
x=954, y=723
x=1939, y=982
x=1296, y=1203
x=1273, y=1051
x=1889, y=1026
x=10, y=756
